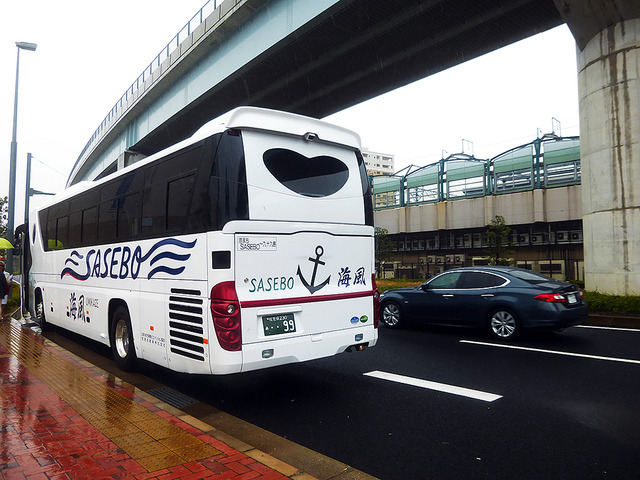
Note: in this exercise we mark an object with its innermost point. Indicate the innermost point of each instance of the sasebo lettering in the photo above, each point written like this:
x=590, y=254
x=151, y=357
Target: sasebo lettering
x=271, y=284
x=124, y=261
x=117, y=262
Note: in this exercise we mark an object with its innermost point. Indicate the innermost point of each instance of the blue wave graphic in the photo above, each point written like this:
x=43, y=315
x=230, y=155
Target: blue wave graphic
x=168, y=241
x=74, y=274
x=70, y=271
x=170, y=255
x=163, y=269
x=71, y=260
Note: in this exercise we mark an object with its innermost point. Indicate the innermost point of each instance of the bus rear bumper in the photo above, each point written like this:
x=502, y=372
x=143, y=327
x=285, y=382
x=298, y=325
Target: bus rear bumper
x=300, y=349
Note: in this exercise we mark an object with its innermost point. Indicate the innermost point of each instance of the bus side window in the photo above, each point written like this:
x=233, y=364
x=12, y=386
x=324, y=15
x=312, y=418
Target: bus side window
x=227, y=190
x=50, y=234
x=153, y=210
x=79, y=235
x=129, y=216
x=62, y=233
x=75, y=229
x=107, y=221
x=179, y=194
x=168, y=190
x=42, y=219
x=90, y=226
x=58, y=226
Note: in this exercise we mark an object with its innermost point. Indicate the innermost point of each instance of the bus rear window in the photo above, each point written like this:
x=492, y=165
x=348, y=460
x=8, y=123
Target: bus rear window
x=312, y=177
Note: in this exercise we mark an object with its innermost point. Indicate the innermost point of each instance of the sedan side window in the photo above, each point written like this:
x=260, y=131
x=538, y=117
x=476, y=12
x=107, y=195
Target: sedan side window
x=446, y=281
x=480, y=280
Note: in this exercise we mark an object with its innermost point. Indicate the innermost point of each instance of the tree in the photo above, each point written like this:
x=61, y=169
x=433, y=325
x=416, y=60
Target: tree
x=382, y=246
x=498, y=236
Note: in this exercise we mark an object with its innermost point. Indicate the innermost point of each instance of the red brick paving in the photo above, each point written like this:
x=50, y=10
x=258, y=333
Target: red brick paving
x=43, y=438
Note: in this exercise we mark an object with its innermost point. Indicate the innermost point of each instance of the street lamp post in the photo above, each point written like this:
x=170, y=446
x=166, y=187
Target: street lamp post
x=12, y=162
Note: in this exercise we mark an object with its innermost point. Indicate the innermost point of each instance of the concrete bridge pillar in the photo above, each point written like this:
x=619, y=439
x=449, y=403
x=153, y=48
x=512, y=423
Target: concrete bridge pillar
x=607, y=34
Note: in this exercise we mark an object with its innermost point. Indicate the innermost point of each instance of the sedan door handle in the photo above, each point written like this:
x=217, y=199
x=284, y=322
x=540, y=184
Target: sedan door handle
x=487, y=295
x=447, y=295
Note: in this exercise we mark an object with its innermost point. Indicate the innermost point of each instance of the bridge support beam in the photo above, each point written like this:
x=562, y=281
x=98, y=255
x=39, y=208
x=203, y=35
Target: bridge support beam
x=608, y=37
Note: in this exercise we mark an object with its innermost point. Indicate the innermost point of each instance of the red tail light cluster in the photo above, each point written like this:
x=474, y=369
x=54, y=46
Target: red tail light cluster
x=376, y=302
x=550, y=297
x=225, y=309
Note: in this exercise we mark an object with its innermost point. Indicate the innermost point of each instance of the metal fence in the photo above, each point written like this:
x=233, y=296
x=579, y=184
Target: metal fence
x=547, y=162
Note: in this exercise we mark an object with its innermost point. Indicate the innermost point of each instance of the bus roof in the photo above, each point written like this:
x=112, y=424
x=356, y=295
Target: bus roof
x=242, y=118
x=278, y=122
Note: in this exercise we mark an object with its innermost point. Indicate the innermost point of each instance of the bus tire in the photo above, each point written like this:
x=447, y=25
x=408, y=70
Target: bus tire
x=121, y=337
x=39, y=312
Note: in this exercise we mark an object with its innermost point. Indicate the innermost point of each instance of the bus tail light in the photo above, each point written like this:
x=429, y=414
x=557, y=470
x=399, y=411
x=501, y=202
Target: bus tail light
x=376, y=302
x=225, y=310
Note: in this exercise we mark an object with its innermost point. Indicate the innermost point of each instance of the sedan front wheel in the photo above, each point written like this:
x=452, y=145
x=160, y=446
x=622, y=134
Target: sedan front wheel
x=503, y=325
x=391, y=315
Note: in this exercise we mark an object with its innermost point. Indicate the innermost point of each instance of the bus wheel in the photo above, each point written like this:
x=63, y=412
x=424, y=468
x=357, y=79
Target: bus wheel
x=122, y=340
x=39, y=311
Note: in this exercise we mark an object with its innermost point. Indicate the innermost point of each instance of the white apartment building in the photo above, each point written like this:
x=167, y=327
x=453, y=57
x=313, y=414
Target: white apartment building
x=378, y=163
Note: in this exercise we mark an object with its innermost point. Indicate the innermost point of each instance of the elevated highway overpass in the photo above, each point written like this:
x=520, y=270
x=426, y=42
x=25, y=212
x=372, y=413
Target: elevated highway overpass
x=319, y=57
x=313, y=58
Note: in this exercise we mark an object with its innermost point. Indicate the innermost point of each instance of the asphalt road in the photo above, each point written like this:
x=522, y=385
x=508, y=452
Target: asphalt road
x=552, y=415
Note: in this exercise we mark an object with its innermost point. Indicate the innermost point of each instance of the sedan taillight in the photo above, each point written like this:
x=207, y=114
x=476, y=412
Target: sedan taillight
x=551, y=298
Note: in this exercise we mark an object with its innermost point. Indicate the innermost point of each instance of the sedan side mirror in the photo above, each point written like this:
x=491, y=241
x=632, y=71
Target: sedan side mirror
x=425, y=287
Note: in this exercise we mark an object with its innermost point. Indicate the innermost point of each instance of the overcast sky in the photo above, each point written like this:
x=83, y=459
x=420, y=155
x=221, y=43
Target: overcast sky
x=90, y=52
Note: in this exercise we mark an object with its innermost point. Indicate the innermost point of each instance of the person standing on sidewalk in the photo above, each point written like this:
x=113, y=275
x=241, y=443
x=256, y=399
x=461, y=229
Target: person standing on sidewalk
x=5, y=289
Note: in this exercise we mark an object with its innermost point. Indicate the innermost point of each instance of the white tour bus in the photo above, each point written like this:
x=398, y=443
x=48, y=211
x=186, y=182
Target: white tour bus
x=247, y=246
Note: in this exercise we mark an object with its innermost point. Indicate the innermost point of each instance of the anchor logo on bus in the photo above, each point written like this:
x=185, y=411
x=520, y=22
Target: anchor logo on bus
x=316, y=261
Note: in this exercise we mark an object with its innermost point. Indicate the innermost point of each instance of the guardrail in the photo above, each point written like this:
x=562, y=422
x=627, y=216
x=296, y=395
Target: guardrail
x=165, y=53
x=547, y=162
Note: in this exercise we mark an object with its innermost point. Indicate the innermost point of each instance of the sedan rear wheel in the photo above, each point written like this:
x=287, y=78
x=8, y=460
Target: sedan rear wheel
x=391, y=315
x=503, y=324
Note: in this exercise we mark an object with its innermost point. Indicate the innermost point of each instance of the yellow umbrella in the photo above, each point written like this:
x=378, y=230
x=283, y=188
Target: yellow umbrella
x=4, y=243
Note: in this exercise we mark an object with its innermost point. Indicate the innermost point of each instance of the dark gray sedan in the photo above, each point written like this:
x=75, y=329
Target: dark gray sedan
x=504, y=300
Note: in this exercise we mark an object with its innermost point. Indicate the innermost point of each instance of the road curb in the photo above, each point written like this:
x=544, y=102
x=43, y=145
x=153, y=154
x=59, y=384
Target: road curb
x=614, y=320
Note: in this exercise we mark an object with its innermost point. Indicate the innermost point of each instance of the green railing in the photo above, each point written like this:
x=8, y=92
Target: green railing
x=547, y=162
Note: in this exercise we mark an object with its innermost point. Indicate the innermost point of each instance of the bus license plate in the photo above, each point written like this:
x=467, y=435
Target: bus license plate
x=278, y=324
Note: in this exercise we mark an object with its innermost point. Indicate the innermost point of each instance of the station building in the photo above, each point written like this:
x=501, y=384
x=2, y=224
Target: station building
x=436, y=216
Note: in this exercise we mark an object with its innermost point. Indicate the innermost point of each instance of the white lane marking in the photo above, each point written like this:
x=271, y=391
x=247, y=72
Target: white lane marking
x=610, y=328
x=555, y=352
x=441, y=387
